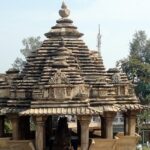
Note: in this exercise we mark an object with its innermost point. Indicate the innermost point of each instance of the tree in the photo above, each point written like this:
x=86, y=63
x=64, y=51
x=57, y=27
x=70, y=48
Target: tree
x=19, y=63
x=137, y=68
x=137, y=65
x=30, y=44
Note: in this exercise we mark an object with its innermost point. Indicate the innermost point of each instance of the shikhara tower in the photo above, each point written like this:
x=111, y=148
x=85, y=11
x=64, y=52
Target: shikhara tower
x=63, y=77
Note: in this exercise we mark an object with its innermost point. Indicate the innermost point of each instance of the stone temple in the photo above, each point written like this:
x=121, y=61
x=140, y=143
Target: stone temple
x=63, y=77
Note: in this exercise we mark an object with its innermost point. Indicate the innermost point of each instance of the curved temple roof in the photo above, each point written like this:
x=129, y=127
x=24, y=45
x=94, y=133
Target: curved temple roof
x=64, y=77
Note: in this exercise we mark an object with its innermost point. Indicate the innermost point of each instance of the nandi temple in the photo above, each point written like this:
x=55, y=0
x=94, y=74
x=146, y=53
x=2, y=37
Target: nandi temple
x=62, y=81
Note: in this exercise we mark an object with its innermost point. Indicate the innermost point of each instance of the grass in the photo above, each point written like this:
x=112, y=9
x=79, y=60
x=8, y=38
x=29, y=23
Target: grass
x=145, y=148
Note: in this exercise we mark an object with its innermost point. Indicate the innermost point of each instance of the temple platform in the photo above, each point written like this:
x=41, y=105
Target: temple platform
x=119, y=143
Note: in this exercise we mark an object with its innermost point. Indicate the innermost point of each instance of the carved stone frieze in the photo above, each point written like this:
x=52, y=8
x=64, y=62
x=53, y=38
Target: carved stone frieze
x=80, y=91
x=59, y=78
x=102, y=93
x=37, y=94
x=60, y=93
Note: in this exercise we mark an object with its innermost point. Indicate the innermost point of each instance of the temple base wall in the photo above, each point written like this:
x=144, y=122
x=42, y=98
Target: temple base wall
x=119, y=143
x=7, y=144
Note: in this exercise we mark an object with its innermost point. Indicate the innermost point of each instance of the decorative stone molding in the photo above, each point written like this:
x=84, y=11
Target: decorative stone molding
x=102, y=93
x=59, y=78
x=80, y=91
x=60, y=93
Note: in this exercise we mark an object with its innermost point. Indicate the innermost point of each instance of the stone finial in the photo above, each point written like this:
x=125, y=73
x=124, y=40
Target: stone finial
x=64, y=11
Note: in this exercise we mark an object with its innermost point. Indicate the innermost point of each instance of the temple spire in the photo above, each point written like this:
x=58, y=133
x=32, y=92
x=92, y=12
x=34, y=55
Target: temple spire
x=64, y=11
x=99, y=40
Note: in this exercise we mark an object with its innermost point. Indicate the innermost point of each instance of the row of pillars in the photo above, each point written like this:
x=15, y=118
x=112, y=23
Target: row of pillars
x=107, y=124
x=21, y=128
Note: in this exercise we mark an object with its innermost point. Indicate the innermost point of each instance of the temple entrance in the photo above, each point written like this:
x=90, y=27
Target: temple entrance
x=59, y=136
x=62, y=138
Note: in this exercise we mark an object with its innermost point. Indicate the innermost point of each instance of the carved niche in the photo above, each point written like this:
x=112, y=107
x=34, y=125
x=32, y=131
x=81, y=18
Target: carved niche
x=59, y=78
x=59, y=89
x=102, y=92
x=80, y=92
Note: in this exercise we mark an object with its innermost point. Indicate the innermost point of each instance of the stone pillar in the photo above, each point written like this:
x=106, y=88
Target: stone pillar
x=2, y=120
x=109, y=117
x=15, y=127
x=84, y=121
x=40, y=132
x=131, y=123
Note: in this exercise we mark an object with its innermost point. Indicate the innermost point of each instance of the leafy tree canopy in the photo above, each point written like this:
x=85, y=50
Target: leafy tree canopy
x=30, y=45
x=137, y=65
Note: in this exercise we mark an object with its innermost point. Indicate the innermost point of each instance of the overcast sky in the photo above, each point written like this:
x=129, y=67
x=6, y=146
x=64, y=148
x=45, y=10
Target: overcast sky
x=119, y=20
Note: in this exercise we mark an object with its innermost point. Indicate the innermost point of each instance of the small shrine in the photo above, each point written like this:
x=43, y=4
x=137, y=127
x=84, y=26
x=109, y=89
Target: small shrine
x=63, y=77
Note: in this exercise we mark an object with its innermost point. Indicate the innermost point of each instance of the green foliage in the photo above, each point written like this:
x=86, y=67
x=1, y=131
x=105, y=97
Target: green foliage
x=31, y=44
x=137, y=65
x=18, y=63
x=7, y=126
x=146, y=148
x=143, y=118
x=137, y=68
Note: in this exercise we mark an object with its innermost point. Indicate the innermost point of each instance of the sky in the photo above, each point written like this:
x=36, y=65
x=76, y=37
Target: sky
x=118, y=19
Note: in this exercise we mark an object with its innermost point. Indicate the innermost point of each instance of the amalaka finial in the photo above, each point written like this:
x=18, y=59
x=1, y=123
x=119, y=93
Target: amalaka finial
x=64, y=11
